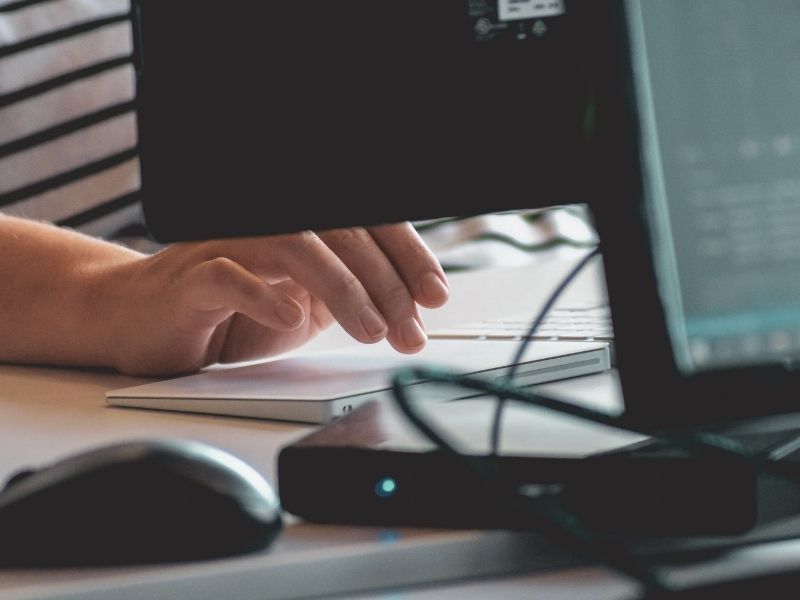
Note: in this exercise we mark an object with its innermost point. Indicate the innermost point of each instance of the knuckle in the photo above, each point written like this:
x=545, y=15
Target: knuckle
x=394, y=232
x=347, y=286
x=302, y=239
x=293, y=245
x=396, y=297
x=391, y=229
x=351, y=239
x=219, y=271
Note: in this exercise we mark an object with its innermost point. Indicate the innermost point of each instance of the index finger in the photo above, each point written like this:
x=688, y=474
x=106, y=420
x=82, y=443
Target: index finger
x=313, y=265
x=414, y=262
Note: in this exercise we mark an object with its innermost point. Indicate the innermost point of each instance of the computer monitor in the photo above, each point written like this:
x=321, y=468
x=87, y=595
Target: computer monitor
x=676, y=121
x=701, y=221
x=267, y=117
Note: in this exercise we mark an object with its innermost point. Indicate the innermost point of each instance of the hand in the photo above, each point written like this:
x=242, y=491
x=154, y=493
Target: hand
x=194, y=304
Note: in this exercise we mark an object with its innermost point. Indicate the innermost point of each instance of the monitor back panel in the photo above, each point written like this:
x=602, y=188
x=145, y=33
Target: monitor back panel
x=266, y=117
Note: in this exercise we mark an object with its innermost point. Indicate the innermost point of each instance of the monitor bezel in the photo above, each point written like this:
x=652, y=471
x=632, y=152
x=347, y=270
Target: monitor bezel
x=656, y=392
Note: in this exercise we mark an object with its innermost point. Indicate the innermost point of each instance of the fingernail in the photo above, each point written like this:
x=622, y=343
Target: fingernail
x=289, y=313
x=412, y=334
x=372, y=322
x=433, y=288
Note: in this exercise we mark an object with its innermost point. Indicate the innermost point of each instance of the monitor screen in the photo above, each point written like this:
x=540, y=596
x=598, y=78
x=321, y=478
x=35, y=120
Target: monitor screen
x=269, y=117
x=719, y=108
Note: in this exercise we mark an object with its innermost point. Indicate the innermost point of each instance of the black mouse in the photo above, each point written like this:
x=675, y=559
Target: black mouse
x=135, y=503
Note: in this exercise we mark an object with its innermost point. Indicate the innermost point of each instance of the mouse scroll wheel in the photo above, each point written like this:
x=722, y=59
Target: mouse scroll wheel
x=17, y=477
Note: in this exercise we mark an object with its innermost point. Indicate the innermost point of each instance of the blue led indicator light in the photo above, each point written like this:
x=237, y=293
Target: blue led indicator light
x=386, y=487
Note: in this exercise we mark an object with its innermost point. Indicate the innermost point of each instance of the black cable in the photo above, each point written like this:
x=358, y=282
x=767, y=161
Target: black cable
x=565, y=526
x=526, y=340
x=545, y=512
x=704, y=443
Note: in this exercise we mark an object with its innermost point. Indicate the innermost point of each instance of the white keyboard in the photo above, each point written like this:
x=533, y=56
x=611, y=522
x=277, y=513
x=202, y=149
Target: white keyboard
x=577, y=322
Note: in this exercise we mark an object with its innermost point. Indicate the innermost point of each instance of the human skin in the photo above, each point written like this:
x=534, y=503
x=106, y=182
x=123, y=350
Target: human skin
x=70, y=299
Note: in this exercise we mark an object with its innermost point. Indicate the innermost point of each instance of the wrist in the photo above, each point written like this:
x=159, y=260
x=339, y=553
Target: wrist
x=107, y=290
x=57, y=304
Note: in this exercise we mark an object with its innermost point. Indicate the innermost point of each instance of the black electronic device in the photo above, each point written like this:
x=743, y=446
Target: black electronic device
x=137, y=502
x=372, y=467
x=697, y=208
x=268, y=117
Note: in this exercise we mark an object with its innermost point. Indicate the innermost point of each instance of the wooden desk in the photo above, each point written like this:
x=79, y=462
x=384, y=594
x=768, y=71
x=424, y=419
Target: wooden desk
x=46, y=414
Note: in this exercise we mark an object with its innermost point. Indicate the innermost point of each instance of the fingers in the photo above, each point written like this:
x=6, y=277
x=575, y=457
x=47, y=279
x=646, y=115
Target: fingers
x=370, y=280
x=317, y=314
x=364, y=258
x=414, y=262
x=312, y=264
x=221, y=286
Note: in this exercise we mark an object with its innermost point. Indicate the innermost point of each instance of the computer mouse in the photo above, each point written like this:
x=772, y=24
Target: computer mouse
x=139, y=502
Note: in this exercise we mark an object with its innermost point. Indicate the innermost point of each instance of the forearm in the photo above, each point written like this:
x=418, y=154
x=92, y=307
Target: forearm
x=52, y=308
x=68, y=299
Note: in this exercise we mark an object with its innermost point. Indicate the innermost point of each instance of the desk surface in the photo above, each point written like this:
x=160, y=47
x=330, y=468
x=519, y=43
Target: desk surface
x=46, y=414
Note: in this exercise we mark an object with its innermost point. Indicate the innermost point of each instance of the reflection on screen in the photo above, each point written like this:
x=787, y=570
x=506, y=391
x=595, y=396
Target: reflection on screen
x=721, y=114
